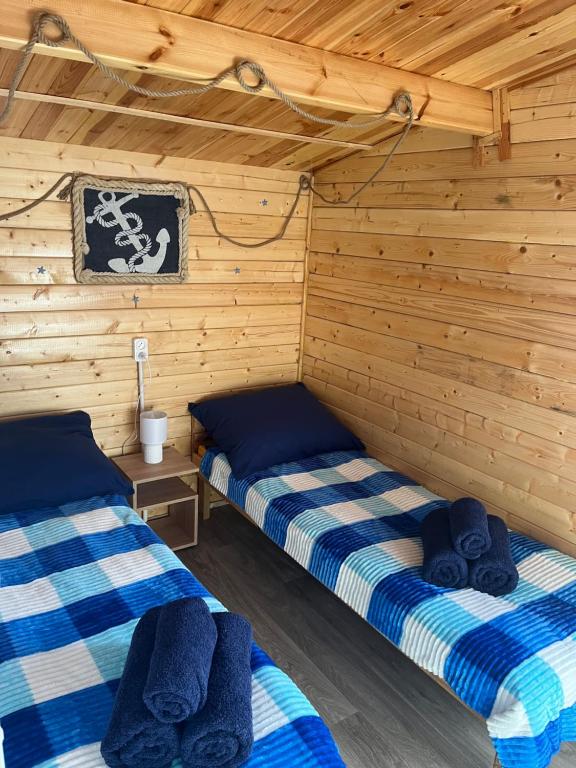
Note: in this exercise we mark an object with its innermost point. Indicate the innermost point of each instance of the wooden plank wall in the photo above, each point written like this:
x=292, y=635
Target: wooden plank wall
x=441, y=312
x=236, y=322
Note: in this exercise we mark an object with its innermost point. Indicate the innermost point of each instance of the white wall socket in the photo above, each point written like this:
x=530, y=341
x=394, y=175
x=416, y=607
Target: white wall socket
x=140, y=350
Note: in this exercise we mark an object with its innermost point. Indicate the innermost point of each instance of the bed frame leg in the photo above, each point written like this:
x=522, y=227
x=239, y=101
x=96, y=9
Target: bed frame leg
x=204, y=497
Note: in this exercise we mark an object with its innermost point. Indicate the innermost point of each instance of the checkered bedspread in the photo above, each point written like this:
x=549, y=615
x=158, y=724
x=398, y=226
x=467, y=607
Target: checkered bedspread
x=354, y=524
x=74, y=582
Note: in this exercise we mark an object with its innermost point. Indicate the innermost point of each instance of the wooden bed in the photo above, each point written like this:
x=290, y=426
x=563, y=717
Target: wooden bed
x=208, y=494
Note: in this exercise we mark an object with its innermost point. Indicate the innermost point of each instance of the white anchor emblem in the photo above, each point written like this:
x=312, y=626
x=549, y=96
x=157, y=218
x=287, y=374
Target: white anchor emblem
x=129, y=234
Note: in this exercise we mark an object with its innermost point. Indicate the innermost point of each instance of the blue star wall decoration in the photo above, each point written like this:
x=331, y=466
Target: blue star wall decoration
x=135, y=299
x=263, y=202
x=41, y=270
x=236, y=270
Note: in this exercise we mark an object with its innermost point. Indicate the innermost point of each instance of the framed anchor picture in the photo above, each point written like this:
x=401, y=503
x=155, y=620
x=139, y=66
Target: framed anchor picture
x=129, y=231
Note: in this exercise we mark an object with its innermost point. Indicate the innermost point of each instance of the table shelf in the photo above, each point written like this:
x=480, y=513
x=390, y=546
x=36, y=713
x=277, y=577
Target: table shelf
x=157, y=493
x=179, y=529
x=161, y=485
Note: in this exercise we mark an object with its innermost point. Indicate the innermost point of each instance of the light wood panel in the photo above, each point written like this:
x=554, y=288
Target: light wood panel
x=550, y=294
x=331, y=54
x=539, y=260
x=440, y=314
x=173, y=45
x=148, y=114
x=531, y=159
x=234, y=324
x=476, y=41
x=554, y=193
x=75, y=125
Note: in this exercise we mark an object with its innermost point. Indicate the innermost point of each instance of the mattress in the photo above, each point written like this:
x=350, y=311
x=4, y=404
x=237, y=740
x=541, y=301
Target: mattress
x=354, y=524
x=75, y=580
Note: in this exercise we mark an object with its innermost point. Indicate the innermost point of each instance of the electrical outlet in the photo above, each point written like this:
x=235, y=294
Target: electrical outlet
x=140, y=350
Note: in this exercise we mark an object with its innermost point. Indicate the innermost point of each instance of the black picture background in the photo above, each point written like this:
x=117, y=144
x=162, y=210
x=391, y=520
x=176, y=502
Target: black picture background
x=156, y=211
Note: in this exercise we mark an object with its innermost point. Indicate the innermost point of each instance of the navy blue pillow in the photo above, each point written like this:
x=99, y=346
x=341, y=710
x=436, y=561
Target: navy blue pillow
x=259, y=429
x=51, y=460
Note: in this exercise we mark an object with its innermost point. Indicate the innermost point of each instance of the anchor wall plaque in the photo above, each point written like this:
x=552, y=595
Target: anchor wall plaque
x=129, y=231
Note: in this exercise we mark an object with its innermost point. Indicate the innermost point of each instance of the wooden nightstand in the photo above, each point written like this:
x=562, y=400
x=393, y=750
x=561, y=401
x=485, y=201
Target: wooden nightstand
x=158, y=485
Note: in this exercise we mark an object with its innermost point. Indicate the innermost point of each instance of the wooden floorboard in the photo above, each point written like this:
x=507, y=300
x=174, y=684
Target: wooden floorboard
x=382, y=710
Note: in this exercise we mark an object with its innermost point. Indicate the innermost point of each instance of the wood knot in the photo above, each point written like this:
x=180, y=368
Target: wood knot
x=39, y=292
x=165, y=32
x=158, y=53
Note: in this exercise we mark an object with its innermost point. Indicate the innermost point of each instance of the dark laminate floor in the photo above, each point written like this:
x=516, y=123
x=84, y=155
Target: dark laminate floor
x=382, y=710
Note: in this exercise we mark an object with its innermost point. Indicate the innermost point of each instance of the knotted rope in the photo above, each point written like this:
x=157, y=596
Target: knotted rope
x=67, y=37
x=62, y=195
x=303, y=185
x=402, y=106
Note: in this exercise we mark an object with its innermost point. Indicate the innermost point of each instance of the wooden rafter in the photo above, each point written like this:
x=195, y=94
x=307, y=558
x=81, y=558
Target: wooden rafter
x=502, y=122
x=148, y=114
x=138, y=37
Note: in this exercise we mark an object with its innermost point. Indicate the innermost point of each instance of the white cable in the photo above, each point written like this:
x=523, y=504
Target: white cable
x=139, y=399
x=140, y=384
x=149, y=371
x=134, y=432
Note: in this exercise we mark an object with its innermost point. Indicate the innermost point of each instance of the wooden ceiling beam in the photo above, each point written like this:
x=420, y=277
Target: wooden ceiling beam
x=118, y=109
x=139, y=37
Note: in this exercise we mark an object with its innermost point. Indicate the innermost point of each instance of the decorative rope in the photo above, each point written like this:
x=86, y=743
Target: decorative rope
x=303, y=185
x=407, y=110
x=38, y=35
x=402, y=106
x=62, y=195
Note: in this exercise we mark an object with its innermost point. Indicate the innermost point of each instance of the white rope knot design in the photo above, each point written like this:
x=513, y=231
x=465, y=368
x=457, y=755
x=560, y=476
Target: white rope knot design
x=123, y=237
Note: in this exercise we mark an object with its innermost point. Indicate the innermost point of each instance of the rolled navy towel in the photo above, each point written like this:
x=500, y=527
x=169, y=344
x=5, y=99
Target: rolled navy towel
x=221, y=734
x=135, y=739
x=495, y=571
x=469, y=528
x=442, y=566
x=177, y=682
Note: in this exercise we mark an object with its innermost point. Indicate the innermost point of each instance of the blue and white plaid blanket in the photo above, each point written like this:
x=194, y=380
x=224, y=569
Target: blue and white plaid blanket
x=74, y=582
x=354, y=524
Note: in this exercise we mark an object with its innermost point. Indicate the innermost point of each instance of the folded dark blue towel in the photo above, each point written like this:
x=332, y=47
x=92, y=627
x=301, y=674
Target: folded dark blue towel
x=442, y=566
x=495, y=571
x=177, y=682
x=135, y=739
x=469, y=528
x=221, y=734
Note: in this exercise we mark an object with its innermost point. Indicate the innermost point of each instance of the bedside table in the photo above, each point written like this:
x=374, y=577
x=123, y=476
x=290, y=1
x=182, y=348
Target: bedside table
x=156, y=485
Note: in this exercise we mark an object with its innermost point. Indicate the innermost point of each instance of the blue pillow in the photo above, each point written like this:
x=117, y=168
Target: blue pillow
x=259, y=429
x=51, y=460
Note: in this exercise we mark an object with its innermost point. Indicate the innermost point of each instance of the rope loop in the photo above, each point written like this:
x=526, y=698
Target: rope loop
x=401, y=105
x=256, y=70
x=43, y=20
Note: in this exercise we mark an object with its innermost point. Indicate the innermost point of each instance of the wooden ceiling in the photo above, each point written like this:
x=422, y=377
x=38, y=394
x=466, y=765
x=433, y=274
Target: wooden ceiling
x=482, y=43
x=81, y=126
